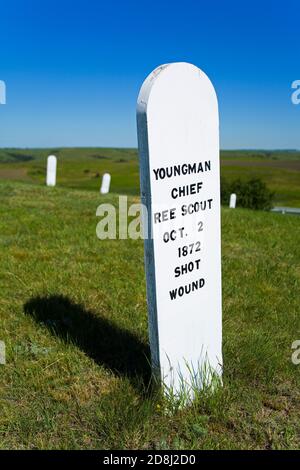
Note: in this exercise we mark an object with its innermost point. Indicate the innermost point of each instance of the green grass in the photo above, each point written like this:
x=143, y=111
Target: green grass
x=74, y=319
x=82, y=168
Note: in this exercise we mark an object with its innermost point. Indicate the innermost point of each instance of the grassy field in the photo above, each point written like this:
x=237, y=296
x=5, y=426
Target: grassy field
x=82, y=168
x=74, y=319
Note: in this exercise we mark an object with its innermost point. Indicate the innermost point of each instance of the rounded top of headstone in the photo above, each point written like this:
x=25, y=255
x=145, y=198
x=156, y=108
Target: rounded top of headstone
x=176, y=82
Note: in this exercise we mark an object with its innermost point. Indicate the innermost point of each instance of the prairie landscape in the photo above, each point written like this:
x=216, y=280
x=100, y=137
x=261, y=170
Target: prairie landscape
x=82, y=168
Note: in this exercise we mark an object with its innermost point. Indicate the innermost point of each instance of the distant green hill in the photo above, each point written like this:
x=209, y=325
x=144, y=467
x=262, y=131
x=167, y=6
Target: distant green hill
x=82, y=168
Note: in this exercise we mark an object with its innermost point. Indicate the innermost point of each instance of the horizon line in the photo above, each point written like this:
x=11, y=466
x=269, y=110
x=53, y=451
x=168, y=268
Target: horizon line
x=241, y=149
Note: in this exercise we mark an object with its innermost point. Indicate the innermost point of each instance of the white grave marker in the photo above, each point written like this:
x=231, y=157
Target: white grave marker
x=105, y=183
x=178, y=136
x=51, y=170
x=232, y=201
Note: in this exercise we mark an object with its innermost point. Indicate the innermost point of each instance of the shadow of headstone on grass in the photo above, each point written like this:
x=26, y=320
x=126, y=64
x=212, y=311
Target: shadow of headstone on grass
x=106, y=343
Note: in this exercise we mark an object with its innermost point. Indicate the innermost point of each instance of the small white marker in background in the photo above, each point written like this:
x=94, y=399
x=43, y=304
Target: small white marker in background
x=232, y=202
x=51, y=170
x=105, y=183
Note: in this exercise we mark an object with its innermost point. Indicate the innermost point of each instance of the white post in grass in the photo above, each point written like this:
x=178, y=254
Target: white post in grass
x=232, y=201
x=105, y=183
x=51, y=170
x=178, y=137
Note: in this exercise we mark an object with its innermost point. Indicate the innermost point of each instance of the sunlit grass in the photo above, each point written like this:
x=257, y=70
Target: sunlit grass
x=73, y=316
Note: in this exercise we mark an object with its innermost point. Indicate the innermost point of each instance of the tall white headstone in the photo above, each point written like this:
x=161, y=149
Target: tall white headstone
x=105, y=183
x=178, y=136
x=51, y=170
x=232, y=201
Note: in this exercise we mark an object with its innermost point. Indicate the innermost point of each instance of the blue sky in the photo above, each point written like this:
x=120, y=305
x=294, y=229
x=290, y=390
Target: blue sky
x=73, y=69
